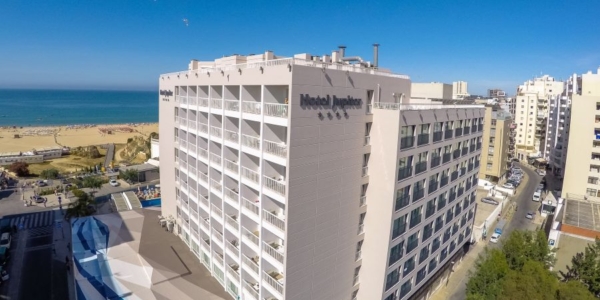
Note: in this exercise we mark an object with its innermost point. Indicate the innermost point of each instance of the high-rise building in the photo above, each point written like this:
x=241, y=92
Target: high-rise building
x=431, y=90
x=582, y=170
x=313, y=178
x=459, y=90
x=496, y=131
x=531, y=112
x=557, y=130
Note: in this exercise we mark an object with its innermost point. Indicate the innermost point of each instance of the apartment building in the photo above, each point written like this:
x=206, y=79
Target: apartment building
x=557, y=130
x=431, y=90
x=496, y=93
x=531, y=113
x=266, y=164
x=496, y=134
x=582, y=171
x=460, y=90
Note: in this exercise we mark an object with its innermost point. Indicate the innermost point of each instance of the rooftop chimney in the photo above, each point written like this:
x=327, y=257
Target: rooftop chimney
x=375, y=56
x=342, y=51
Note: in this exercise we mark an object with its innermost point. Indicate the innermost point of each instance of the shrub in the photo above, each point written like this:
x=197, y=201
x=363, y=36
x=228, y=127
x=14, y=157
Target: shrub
x=19, y=168
x=49, y=174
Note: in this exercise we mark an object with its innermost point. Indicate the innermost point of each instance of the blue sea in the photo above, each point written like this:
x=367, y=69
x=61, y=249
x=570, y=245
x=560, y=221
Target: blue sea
x=72, y=107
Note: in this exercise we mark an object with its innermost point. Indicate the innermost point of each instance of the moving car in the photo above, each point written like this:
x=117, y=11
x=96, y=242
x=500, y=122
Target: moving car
x=113, y=182
x=537, y=195
x=5, y=240
x=494, y=238
x=489, y=200
x=530, y=215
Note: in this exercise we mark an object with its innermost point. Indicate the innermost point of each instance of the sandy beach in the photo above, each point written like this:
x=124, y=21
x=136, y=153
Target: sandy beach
x=70, y=136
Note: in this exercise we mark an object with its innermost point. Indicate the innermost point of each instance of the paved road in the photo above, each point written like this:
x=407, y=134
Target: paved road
x=31, y=220
x=525, y=204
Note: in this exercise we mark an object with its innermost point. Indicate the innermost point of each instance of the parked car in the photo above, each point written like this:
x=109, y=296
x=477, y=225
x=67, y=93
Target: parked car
x=508, y=185
x=541, y=172
x=494, y=238
x=540, y=186
x=489, y=200
x=38, y=199
x=41, y=183
x=5, y=240
x=113, y=182
x=530, y=215
x=64, y=181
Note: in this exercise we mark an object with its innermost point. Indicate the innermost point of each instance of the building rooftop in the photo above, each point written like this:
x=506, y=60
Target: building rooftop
x=268, y=59
x=582, y=213
x=140, y=168
x=129, y=254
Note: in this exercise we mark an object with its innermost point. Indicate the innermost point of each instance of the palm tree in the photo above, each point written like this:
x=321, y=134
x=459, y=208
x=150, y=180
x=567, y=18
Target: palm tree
x=80, y=208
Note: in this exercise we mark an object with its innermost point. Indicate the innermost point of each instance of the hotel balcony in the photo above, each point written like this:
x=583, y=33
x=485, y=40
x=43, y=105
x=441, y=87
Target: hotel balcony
x=365, y=171
x=232, y=196
x=274, y=253
x=203, y=154
x=250, y=238
x=232, y=105
x=233, y=271
x=216, y=103
x=217, y=237
x=251, y=107
x=217, y=213
x=216, y=132
x=277, y=222
x=203, y=129
x=232, y=167
x=215, y=159
x=232, y=224
x=204, y=203
x=233, y=249
x=251, y=144
x=203, y=177
x=250, y=209
x=251, y=265
x=276, y=110
x=274, y=282
x=216, y=186
x=231, y=137
x=275, y=187
x=251, y=176
x=251, y=291
x=203, y=102
x=363, y=201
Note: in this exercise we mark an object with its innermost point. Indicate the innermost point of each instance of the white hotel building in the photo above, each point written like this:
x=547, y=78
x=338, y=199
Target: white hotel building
x=283, y=193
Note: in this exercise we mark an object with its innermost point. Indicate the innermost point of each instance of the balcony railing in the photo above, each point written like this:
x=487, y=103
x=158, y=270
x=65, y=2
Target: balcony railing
x=250, y=263
x=274, y=185
x=216, y=132
x=407, y=142
x=367, y=140
x=251, y=236
x=231, y=136
x=418, y=194
x=251, y=107
x=458, y=132
x=202, y=127
x=250, y=290
x=203, y=102
x=435, y=161
x=251, y=141
x=232, y=195
x=437, y=136
x=182, y=99
x=232, y=105
x=273, y=220
x=404, y=173
x=250, y=175
x=231, y=166
x=277, y=149
x=365, y=171
x=202, y=153
x=369, y=108
x=446, y=158
x=204, y=201
x=217, y=211
x=361, y=228
x=216, y=103
x=232, y=222
x=215, y=158
x=433, y=185
x=363, y=201
x=215, y=185
x=358, y=255
x=233, y=273
x=192, y=125
x=272, y=282
x=219, y=235
x=251, y=206
x=448, y=134
x=276, y=110
x=272, y=252
x=422, y=139
x=420, y=167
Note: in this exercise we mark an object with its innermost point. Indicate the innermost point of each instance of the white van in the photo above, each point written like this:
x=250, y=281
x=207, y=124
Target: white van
x=537, y=195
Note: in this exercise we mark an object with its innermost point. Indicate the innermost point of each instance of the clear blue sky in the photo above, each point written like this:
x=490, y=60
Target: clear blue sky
x=120, y=44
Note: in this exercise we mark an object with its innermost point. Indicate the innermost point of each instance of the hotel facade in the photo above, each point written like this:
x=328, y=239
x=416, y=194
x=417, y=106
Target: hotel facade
x=316, y=177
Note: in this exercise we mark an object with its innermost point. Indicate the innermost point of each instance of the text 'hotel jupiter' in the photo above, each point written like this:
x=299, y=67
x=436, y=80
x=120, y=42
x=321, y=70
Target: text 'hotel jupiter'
x=316, y=177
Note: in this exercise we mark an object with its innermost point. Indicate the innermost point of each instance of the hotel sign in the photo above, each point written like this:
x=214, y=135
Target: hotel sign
x=329, y=101
x=166, y=94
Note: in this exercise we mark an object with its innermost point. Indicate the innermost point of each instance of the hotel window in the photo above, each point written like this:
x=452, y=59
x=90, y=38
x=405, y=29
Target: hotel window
x=399, y=227
x=591, y=192
x=409, y=265
x=593, y=180
x=396, y=253
x=402, y=198
x=392, y=279
x=493, y=122
x=488, y=167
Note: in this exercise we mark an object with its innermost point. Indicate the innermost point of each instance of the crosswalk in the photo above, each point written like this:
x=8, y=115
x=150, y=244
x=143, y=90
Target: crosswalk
x=32, y=220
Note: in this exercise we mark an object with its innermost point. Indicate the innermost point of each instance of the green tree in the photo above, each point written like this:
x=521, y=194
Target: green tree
x=93, y=182
x=82, y=207
x=21, y=169
x=129, y=175
x=487, y=279
x=534, y=281
x=573, y=290
x=585, y=267
x=521, y=246
x=49, y=174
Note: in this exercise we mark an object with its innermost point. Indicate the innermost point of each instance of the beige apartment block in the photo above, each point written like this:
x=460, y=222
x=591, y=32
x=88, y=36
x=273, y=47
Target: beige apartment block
x=431, y=90
x=316, y=177
x=460, y=90
x=494, y=153
x=582, y=171
x=531, y=113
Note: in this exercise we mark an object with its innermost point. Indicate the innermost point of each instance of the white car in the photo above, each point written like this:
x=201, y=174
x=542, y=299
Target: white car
x=113, y=182
x=494, y=238
x=508, y=186
x=5, y=240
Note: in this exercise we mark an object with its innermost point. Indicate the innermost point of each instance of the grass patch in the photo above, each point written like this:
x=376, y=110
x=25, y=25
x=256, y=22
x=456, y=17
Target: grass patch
x=66, y=164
